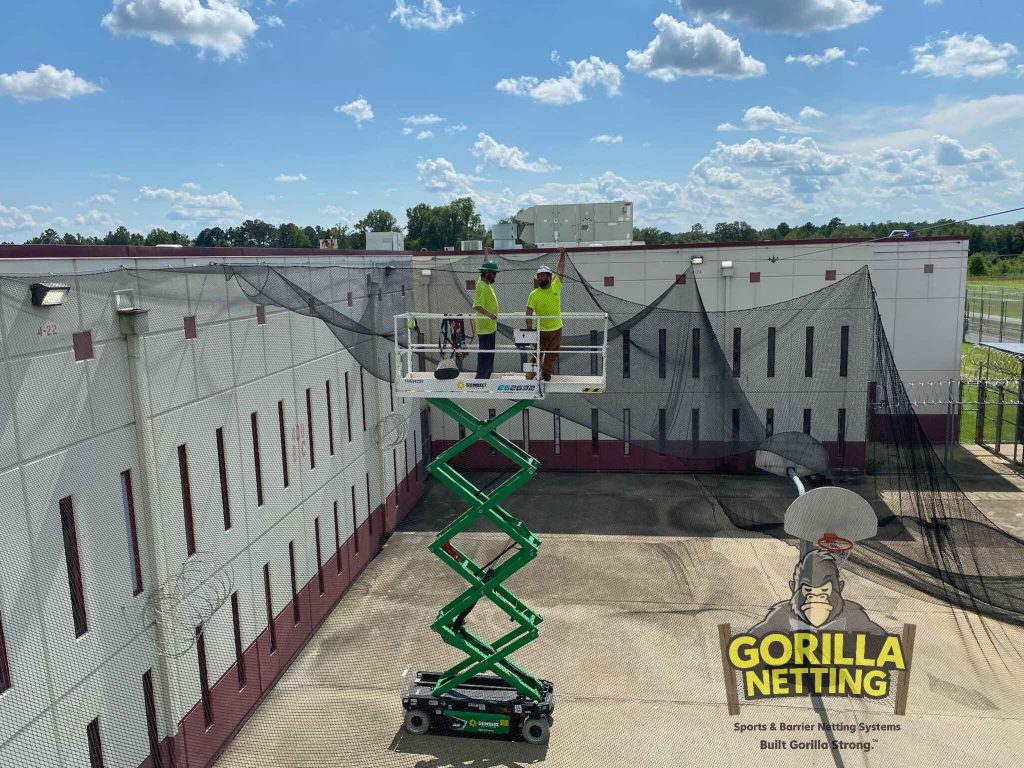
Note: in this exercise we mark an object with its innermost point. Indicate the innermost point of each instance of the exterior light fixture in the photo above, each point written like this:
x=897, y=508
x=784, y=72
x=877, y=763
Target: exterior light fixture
x=727, y=264
x=49, y=294
x=696, y=259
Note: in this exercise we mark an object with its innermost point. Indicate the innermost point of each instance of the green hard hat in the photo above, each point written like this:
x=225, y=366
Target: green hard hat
x=489, y=266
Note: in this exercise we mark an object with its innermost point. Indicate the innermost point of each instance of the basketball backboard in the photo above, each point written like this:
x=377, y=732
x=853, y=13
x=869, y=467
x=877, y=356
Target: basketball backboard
x=792, y=450
x=830, y=510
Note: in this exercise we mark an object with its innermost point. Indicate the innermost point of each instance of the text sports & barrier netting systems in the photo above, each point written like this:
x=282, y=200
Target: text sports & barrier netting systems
x=261, y=515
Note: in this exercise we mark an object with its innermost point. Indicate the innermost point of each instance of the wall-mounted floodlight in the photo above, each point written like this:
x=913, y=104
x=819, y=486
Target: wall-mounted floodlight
x=696, y=259
x=727, y=264
x=49, y=294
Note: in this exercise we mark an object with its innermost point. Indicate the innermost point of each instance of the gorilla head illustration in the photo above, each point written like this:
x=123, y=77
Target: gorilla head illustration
x=817, y=589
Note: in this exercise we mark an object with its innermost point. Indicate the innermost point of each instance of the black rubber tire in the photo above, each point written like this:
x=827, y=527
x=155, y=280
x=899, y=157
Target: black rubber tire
x=417, y=722
x=536, y=730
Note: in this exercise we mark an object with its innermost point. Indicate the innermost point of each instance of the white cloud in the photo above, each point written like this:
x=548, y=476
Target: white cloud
x=759, y=118
x=220, y=26
x=796, y=16
x=951, y=152
x=406, y=131
x=457, y=128
x=424, y=135
x=680, y=50
x=962, y=56
x=439, y=175
x=802, y=157
x=192, y=207
x=592, y=72
x=359, y=110
x=605, y=138
x=722, y=127
x=429, y=119
x=100, y=199
x=285, y=178
x=274, y=21
x=46, y=82
x=430, y=14
x=505, y=156
x=338, y=215
x=190, y=185
x=12, y=219
x=555, y=58
x=817, y=59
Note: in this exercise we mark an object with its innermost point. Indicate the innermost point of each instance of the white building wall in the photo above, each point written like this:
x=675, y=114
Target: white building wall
x=67, y=429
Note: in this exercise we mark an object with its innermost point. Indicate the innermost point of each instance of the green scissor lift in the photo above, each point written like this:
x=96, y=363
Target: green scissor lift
x=486, y=692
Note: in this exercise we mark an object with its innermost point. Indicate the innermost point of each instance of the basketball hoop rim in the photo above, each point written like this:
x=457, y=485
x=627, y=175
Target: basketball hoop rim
x=834, y=544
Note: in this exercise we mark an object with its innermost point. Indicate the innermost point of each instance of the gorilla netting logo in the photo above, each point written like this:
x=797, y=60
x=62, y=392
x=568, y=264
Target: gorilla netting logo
x=817, y=643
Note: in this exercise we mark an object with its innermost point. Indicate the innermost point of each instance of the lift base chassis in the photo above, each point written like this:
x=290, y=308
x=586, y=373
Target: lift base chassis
x=484, y=704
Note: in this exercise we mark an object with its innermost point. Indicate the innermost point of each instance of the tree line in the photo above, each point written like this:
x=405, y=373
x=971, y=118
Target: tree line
x=433, y=227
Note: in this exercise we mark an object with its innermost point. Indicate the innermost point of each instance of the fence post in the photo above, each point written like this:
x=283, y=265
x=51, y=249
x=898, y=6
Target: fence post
x=949, y=424
x=1018, y=432
x=1001, y=390
x=1002, y=316
x=981, y=315
x=1022, y=317
x=979, y=422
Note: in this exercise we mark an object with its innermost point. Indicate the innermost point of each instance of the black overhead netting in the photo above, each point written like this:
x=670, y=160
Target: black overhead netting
x=709, y=385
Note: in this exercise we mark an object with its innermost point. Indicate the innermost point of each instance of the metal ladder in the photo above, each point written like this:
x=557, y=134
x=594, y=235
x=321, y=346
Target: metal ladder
x=484, y=581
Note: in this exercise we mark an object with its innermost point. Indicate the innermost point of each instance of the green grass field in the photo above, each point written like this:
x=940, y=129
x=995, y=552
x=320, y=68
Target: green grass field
x=1014, y=282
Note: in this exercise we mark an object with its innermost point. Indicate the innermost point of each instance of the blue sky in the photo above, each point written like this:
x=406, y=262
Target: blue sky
x=191, y=113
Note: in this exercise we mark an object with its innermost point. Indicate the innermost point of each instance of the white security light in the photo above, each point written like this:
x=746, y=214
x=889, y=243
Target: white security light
x=49, y=294
x=696, y=259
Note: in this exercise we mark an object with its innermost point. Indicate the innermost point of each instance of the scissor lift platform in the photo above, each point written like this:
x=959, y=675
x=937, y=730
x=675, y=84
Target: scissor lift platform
x=484, y=704
x=506, y=386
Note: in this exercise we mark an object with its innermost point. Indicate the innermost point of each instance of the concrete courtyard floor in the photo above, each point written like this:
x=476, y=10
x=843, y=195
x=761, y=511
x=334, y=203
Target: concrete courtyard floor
x=634, y=575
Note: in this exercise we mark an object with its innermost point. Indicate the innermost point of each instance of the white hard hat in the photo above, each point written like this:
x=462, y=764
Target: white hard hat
x=542, y=270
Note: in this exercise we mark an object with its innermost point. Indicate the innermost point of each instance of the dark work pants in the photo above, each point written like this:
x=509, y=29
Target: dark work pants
x=485, y=360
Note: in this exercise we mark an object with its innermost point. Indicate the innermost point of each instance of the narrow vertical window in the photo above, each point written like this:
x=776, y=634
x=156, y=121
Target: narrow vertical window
x=594, y=435
x=735, y=425
x=284, y=444
x=296, y=612
x=557, y=416
x=394, y=464
x=204, y=678
x=769, y=422
x=330, y=417
x=128, y=502
x=186, y=501
x=236, y=624
x=662, y=431
x=5, y=667
x=462, y=431
x=405, y=450
x=319, y=561
x=152, y=729
x=841, y=434
x=526, y=431
x=695, y=429
x=807, y=421
x=809, y=352
x=67, y=524
x=737, y=336
x=256, y=458
x=222, y=468
x=337, y=540
x=662, y=352
x=416, y=449
x=771, y=353
x=626, y=432
x=492, y=414
x=270, y=607
x=369, y=503
x=695, y=354
x=844, y=350
x=625, y=354
x=92, y=732
x=355, y=524
x=362, y=395
x=348, y=409
x=391, y=386
x=309, y=425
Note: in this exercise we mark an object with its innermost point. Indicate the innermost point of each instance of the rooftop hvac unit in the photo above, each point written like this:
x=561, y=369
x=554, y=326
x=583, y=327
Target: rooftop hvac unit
x=471, y=245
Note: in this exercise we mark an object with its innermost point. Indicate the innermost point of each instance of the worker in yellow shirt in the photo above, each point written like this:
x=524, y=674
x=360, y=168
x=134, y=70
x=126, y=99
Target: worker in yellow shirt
x=485, y=304
x=545, y=301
